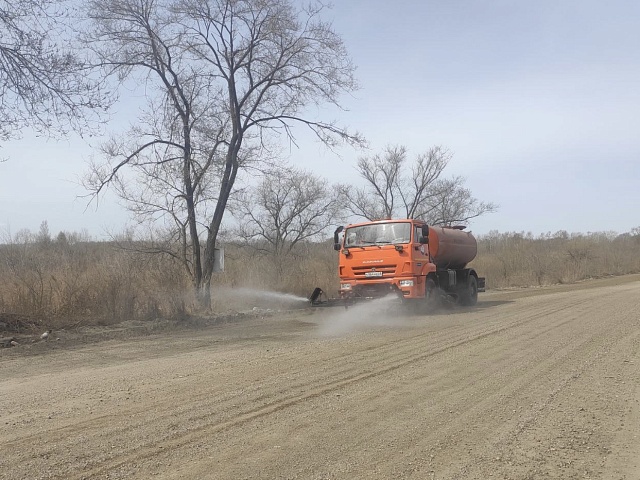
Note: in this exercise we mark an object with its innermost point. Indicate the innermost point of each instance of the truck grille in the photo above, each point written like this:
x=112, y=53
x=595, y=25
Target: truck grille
x=387, y=270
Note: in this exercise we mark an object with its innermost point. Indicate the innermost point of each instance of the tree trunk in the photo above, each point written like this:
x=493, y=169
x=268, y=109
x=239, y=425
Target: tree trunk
x=228, y=180
x=203, y=294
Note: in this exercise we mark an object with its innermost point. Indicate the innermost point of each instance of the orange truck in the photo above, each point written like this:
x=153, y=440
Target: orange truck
x=420, y=263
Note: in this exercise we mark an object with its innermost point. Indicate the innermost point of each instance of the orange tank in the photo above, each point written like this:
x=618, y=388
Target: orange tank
x=450, y=247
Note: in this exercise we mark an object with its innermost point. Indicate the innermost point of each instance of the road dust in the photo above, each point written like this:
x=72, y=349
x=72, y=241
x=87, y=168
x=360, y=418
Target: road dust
x=381, y=312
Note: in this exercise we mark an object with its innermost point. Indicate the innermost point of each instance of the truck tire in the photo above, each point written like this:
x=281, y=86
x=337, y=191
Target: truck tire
x=469, y=296
x=431, y=296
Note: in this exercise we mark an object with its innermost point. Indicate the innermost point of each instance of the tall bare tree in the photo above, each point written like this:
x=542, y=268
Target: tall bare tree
x=284, y=209
x=394, y=187
x=44, y=82
x=228, y=75
x=172, y=149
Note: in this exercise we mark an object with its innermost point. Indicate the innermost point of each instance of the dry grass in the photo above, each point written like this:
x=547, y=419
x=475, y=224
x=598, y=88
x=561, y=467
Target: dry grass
x=89, y=283
x=518, y=259
x=64, y=283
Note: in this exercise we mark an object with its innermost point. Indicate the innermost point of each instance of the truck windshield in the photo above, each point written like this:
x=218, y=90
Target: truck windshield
x=378, y=234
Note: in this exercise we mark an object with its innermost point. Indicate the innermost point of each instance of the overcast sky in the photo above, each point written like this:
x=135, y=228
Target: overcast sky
x=538, y=101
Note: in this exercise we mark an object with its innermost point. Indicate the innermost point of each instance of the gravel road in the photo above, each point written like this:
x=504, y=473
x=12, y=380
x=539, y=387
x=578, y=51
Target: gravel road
x=530, y=384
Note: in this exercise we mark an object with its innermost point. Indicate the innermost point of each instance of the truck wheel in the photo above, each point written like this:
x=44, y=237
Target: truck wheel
x=431, y=296
x=469, y=297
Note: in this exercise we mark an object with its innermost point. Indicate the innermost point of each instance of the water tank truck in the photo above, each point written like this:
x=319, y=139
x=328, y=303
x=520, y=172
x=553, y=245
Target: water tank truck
x=422, y=264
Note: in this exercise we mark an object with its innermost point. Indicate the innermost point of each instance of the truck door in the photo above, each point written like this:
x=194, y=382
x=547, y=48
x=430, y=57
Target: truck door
x=420, y=250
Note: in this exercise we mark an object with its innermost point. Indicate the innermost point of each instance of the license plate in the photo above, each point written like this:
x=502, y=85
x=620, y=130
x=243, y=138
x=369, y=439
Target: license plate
x=373, y=274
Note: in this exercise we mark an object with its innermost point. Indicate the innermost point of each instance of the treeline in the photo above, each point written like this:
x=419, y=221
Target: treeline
x=522, y=259
x=70, y=280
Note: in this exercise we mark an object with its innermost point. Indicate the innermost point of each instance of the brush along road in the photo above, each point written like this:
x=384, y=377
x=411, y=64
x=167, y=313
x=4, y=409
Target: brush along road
x=538, y=383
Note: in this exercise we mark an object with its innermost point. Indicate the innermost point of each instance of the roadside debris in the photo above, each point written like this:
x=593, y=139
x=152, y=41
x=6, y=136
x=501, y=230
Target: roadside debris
x=8, y=342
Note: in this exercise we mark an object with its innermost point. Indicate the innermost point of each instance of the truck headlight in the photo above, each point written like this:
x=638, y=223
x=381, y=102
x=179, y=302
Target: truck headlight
x=345, y=286
x=406, y=283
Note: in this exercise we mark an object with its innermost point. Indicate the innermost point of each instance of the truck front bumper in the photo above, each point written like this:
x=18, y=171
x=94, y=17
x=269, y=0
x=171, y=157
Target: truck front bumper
x=404, y=287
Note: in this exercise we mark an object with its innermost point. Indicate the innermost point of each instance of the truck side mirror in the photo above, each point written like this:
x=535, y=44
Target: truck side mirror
x=336, y=242
x=424, y=239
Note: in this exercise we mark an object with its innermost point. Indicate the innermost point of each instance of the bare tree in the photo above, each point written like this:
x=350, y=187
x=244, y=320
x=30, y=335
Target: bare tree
x=173, y=149
x=228, y=75
x=44, y=82
x=396, y=188
x=453, y=204
x=284, y=209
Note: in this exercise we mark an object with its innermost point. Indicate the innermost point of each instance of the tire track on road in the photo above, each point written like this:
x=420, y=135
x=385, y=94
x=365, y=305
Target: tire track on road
x=389, y=364
x=210, y=413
